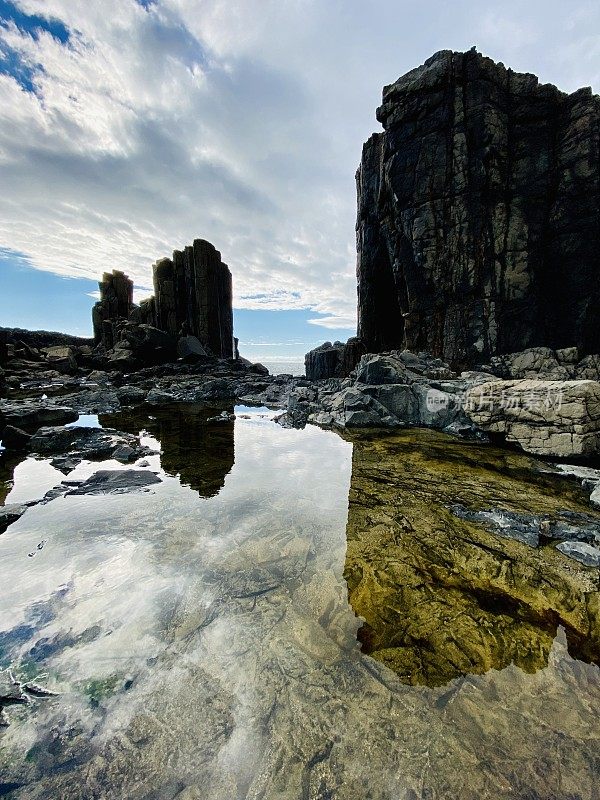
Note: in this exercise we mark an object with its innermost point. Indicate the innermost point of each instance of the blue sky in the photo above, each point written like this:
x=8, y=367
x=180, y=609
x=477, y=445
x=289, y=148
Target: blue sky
x=129, y=128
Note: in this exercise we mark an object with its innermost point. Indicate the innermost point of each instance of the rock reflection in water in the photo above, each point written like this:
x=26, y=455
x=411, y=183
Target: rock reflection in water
x=199, y=452
x=204, y=648
x=442, y=596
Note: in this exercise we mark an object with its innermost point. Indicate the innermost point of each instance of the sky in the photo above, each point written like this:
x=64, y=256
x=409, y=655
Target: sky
x=129, y=128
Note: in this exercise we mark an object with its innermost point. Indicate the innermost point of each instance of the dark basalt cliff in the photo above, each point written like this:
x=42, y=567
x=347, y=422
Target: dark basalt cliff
x=478, y=227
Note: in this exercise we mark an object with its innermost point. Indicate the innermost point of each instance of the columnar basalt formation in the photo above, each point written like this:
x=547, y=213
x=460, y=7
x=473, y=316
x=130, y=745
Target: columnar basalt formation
x=193, y=294
x=116, y=303
x=478, y=228
x=193, y=298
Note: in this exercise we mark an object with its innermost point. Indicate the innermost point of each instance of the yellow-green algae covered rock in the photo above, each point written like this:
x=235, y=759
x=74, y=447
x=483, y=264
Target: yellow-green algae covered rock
x=442, y=596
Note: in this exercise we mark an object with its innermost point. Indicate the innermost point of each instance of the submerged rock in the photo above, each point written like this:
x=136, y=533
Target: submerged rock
x=445, y=592
x=15, y=691
x=581, y=551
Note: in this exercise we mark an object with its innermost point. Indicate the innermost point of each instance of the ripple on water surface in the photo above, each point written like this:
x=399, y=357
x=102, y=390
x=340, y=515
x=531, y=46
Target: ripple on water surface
x=203, y=634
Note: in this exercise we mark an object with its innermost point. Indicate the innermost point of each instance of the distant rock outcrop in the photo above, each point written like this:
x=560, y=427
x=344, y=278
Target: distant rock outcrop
x=478, y=227
x=335, y=360
x=193, y=295
x=116, y=303
x=193, y=300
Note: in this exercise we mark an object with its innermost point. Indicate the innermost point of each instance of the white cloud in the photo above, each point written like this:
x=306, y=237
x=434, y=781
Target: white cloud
x=239, y=122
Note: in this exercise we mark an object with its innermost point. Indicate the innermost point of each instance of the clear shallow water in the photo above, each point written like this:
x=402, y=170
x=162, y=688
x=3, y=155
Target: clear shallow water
x=203, y=646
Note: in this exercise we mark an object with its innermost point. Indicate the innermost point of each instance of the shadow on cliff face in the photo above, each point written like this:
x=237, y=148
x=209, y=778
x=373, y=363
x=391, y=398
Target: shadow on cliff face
x=444, y=596
x=199, y=452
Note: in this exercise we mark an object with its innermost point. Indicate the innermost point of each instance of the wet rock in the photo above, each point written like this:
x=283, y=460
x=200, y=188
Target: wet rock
x=532, y=528
x=11, y=513
x=130, y=395
x=93, y=401
x=522, y=527
x=160, y=396
x=30, y=415
x=116, y=482
x=78, y=442
x=581, y=551
x=15, y=438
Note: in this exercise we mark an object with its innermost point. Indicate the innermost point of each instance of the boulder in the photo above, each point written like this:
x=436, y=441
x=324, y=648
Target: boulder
x=30, y=414
x=550, y=418
x=401, y=367
x=190, y=349
x=62, y=358
x=335, y=360
x=536, y=362
x=15, y=438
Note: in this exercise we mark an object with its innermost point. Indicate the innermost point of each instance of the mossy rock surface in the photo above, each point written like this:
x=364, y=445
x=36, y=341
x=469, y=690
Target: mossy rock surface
x=442, y=596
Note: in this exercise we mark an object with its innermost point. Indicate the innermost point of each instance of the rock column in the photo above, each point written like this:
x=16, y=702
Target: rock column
x=478, y=228
x=193, y=295
x=116, y=303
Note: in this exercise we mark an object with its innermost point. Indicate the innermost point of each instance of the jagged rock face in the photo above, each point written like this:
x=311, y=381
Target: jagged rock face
x=116, y=303
x=193, y=295
x=335, y=360
x=478, y=227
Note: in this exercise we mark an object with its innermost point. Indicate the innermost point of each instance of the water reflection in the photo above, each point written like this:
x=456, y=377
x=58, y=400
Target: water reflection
x=8, y=462
x=194, y=446
x=204, y=647
x=444, y=597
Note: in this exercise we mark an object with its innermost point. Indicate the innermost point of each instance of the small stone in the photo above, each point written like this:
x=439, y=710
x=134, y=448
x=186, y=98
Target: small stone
x=581, y=551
